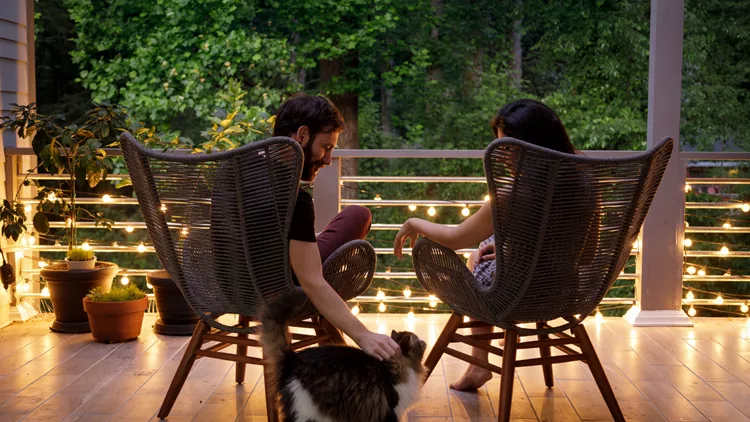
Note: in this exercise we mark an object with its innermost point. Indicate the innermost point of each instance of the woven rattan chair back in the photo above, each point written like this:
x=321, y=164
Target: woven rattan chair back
x=219, y=222
x=564, y=225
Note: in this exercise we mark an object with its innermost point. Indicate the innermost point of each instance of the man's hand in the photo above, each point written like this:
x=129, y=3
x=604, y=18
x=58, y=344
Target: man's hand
x=378, y=346
x=407, y=232
x=486, y=253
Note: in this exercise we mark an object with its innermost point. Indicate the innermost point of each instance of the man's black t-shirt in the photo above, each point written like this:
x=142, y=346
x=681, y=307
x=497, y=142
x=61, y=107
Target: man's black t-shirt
x=303, y=220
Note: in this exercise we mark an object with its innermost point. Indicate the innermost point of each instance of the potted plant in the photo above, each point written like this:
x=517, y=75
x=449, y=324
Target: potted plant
x=176, y=317
x=74, y=152
x=116, y=314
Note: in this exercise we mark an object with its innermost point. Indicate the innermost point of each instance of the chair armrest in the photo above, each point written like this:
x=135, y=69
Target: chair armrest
x=349, y=270
x=441, y=272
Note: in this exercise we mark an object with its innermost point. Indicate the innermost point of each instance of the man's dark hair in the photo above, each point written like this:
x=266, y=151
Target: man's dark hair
x=314, y=111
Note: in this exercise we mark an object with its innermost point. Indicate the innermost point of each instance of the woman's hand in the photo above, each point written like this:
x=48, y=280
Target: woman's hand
x=486, y=253
x=408, y=231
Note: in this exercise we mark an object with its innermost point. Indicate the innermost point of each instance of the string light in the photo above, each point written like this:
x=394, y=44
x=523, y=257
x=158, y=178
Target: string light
x=355, y=309
x=745, y=207
x=635, y=244
x=687, y=243
x=115, y=244
x=378, y=198
x=688, y=188
x=724, y=250
x=687, y=224
x=163, y=208
x=577, y=316
x=412, y=207
x=467, y=255
x=45, y=291
x=691, y=270
x=728, y=272
x=68, y=222
x=702, y=272
x=149, y=285
x=27, y=208
x=692, y=311
x=184, y=231
x=52, y=197
x=129, y=229
x=431, y=212
x=380, y=294
x=106, y=198
x=42, y=264
x=141, y=248
x=599, y=317
x=690, y=296
x=433, y=301
x=486, y=198
x=32, y=240
x=719, y=300
x=410, y=316
x=382, y=307
x=85, y=246
x=727, y=225
x=465, y=212
x=25, y=287
x=466, y=319
x=744, y=308
x=124, y=280
x=407, y=292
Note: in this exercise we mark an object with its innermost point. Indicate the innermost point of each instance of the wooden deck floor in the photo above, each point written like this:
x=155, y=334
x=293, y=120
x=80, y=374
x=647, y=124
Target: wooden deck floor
x=687, y=374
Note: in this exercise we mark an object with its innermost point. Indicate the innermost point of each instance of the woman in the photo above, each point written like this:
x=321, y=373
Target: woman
x=526, y=120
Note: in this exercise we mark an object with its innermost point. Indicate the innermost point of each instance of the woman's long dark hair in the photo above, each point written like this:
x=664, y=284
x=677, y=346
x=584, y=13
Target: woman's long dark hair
x=533, y=122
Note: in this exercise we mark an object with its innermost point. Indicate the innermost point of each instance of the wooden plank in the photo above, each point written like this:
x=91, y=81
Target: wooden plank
x=586, y=399
x=737, y=393
x=730, y=361
x=554, y=409
x=669, y=401
x=38, y=347
x=687, y=383
x=634, y=366
x=521, y=407
x=720, y=411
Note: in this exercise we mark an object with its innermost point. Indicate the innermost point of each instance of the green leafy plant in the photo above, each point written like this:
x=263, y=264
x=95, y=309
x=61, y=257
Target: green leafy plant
x=79, y=254
x=117, y=294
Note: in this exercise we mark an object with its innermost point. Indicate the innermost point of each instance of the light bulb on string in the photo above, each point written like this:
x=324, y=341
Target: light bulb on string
x=355, y=309
x=45, y=291
x=407, y=292
x=744, y=308
x=52, y=197
x=25, y=287
x=691, y=270
x=724, y=250
x=702, y=272
x=433, y=301
x=599, y=317
x=466, y=319
x=380, y=294
x=486, y=198
x=85, y=246
x=431, y=212
x=689, y=296
x=727, y=225
x=382, y=307
x=691, y=312
x=141, y=248
x=68, y=222
x=577, y=316
x=184, y=231
x=42, y=264
x=125, y=280
x=687, y=224
x=27, y=208
x=728, y=272
x=106, y=198
x=467, y=255
x=745, y=207
x=32, y=240
x=163, y=208
x=149, y=285
x=636, y=244
x=465, y=212
x=377, y=197
x=687, y=243
x=719, y=299
x=410, y=316
x=115, y=244
x=688, y=188
x=412, y=207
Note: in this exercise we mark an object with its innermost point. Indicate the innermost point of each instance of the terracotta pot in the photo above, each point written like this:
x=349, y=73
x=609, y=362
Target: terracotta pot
x=67, y=290
x=115, y=321
x=176, y=316
x=81, y=265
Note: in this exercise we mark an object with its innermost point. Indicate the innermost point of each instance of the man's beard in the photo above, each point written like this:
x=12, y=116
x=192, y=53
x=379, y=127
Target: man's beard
x=310, y=167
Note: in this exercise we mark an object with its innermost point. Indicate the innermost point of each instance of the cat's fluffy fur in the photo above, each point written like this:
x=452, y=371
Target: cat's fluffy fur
x=339, y=383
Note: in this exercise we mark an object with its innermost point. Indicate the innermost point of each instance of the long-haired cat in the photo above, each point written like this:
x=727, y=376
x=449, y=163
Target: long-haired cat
x=339, y=383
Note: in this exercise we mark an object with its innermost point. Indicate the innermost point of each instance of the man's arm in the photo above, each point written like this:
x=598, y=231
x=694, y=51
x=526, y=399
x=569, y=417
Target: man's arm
x=305, y=259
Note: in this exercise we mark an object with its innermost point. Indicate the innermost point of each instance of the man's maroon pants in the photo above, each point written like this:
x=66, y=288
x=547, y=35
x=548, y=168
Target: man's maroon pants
x=352, y=223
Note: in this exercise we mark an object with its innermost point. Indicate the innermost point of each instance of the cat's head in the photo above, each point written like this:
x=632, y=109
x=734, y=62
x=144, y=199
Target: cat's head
x=411, y=346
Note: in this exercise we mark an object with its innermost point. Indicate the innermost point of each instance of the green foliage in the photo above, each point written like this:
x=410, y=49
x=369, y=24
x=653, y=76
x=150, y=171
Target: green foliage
x=117, y=294
x=79, y=254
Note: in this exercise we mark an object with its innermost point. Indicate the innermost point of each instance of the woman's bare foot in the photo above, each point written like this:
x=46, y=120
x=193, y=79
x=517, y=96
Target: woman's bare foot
x=473, y=378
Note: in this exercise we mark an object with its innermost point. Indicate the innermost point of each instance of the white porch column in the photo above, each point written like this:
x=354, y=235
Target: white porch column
x=660, y=259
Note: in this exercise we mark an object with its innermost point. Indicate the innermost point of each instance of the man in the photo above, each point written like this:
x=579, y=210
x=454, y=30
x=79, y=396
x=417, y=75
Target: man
x=316, y=123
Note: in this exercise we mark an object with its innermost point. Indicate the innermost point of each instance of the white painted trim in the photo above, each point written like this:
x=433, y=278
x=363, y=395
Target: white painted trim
x=641, y=318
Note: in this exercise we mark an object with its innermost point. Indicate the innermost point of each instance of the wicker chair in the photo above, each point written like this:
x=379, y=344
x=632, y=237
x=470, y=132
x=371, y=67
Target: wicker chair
x=564, y=229
x=219, y=223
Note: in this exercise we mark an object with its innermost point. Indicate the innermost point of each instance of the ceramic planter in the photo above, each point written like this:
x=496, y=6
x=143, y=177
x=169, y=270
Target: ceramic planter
x=81, y=265
x=115, y=321
x=176, y=317
x=67, y=290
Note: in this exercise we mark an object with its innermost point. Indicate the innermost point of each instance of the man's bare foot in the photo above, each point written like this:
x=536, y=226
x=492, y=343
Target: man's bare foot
x=473, y=378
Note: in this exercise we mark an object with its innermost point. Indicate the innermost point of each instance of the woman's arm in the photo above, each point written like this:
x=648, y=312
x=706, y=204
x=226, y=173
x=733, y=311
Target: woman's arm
x=472, y=231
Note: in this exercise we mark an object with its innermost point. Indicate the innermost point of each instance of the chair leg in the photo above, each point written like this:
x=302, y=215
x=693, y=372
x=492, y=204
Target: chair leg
x=508, y=375
x=598, y=372
x=268, y=379
x=241, y=351
x=188, y=359
x=334, y=334
x=546, y=352
x=442, y=342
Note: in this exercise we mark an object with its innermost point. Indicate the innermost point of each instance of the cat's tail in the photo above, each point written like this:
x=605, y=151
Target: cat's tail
x=274, y=319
